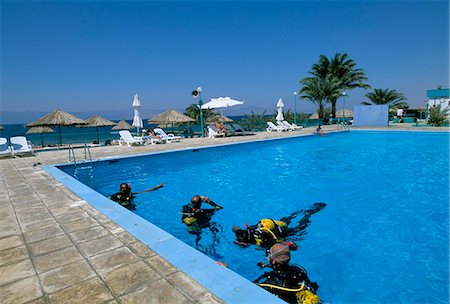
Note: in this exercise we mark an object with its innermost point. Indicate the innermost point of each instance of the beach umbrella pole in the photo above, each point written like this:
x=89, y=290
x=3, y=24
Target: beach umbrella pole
x=42, y=141
x=60, y=138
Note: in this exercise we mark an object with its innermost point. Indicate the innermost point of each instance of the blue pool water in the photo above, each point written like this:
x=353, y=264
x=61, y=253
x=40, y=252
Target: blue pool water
x=383, y=237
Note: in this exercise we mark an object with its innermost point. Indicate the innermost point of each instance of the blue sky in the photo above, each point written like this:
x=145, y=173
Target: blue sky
x=91, y=56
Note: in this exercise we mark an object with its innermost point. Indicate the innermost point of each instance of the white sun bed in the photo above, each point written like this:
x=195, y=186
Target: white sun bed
x=5, y=149
x=168, y=137
x=126, y=137
x=21, y=146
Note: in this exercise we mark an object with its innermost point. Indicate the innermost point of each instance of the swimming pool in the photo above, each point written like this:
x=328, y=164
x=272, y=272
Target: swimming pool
x=382, y=238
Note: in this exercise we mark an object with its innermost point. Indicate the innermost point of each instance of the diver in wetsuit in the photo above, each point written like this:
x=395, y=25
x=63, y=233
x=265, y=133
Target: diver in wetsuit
x=125, y=197
x=269, y=232
x=196, y=218
x=288, y=282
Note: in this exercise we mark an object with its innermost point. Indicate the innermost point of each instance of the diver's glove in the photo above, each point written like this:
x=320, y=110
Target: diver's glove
x=217, y=207
x=262, y=265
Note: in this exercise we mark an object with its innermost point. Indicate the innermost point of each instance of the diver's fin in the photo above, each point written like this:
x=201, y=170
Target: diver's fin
x=316, y=207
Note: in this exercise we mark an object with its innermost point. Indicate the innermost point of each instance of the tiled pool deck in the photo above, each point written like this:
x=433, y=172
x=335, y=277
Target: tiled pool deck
x=56, y=248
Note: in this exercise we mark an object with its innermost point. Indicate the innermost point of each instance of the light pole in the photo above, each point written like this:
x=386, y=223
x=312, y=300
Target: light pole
x=344, y=95
x=200, y=104
x=295, y=108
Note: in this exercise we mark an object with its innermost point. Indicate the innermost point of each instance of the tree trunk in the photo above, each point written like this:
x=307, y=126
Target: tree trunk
x=333, y=107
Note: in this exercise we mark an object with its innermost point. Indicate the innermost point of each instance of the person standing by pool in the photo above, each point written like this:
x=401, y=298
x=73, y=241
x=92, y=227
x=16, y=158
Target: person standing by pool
x=125, y=197
x=288, y=282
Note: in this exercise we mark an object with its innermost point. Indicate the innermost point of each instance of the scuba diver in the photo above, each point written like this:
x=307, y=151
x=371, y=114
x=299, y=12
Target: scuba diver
x=288, y=282
x=196, y=218
x=269, y=232
x=125, y=197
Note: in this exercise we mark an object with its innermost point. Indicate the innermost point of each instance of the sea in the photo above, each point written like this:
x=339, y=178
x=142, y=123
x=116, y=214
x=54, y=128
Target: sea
x=75, y=135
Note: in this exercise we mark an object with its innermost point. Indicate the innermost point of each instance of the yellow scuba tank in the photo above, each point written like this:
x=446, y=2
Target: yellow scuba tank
x=307, y=297
x=271, y=224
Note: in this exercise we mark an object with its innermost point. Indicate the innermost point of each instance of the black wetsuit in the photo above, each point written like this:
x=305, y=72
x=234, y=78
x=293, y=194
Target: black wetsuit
x=125, y=199
x=286, y=282
x=196, y=218
x=266, y=239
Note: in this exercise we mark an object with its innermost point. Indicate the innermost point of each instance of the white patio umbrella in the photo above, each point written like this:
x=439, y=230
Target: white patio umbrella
x=137, y=120
x=280, y=106
x=222, y=102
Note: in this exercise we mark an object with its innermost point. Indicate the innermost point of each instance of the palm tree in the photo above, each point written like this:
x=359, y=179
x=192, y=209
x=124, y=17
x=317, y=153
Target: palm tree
x=193, y=112
x=386, y=96
x=344, y=70
x=438, y=116
x=256, y=121
x=320, y=91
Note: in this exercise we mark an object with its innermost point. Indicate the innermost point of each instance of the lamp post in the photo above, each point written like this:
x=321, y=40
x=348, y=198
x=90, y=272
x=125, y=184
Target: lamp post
x=200, y=104
x=295, y=108
x=344, y=95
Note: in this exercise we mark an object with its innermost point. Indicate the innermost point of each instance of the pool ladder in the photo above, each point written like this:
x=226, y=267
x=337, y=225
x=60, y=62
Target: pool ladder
x=343, y=126
x=87, y=153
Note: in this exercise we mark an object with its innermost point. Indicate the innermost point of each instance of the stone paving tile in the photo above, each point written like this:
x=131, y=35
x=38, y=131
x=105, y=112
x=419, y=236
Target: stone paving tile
x=90, y=291
x=49, y=245
x=16, y=271
x=75, y=214
x=56, y=259
x=207, y=298
x=71, y=274
x=13, y=255
x=111, y=260
x=21, y=291
x=160, y=265
x=49, y=222
x=155, y=292
x=141, y=250
x=130, y=278
x=126, y=237
x=99, y=245
x=89, y=234
x=11, y=241
x=40, y=300
x=79, y=224
x=42, y=234
x=183, y=282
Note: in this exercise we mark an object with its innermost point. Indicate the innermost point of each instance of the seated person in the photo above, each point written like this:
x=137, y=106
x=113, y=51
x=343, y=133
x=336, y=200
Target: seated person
x=125, y=197
x=221, y=129
x=319, y=131
x=288, y=282
x=269, y=232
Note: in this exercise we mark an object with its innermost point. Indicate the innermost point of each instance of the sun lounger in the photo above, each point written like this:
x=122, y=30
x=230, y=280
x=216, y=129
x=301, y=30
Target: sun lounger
x=272, y=127
x=126, y=137
x=5, y=149
x=154, y=141
x=21, y=146
x=168, y=137
x=292, y=126
x=212, y=132
x=238, y=130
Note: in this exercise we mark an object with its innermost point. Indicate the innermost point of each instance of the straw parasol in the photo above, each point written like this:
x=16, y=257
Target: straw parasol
x=170, y=117
x=344, y=113
x=219, y=118
x=123, y=125
x=1, y=128
x=314, y=116
x=57, y=118
x=96, y=122
x=40, y=130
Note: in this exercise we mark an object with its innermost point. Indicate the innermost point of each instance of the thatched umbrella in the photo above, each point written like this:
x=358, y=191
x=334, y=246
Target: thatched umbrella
x=344, y=113
x=218, y=118
x=123, y=125
x=57, y=118
x=1, y=128
x=96, y=122
x=314, y=116
x=170, y=117
x=40, y=130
